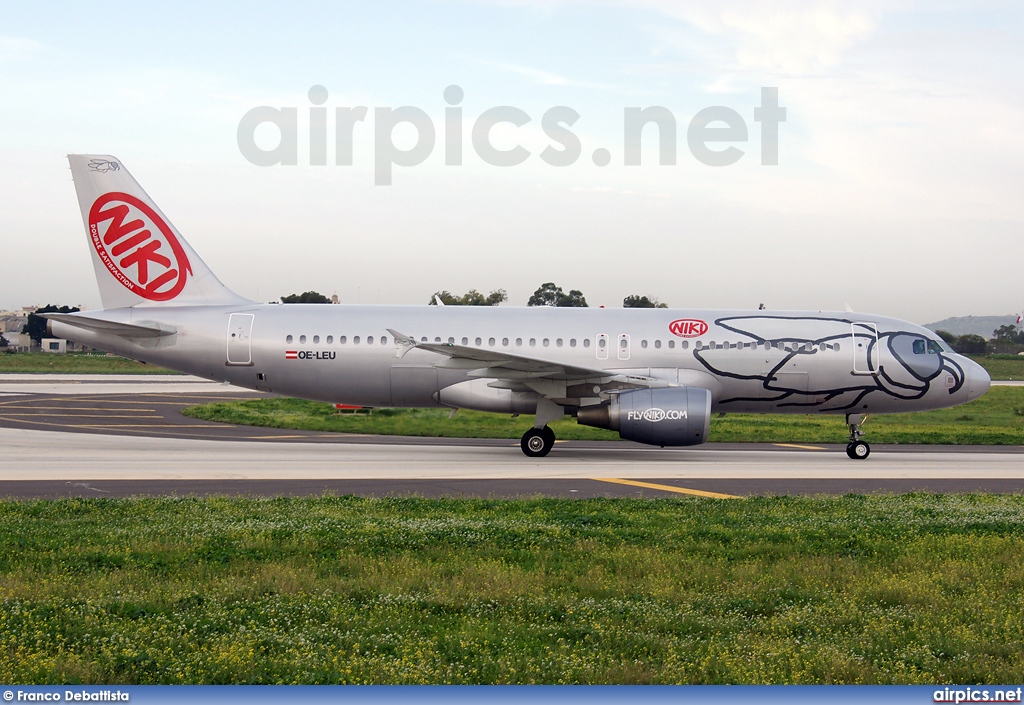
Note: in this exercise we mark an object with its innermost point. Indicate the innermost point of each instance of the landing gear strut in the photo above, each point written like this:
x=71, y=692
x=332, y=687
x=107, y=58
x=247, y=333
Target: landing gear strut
x=537, y=442
x=856, y=449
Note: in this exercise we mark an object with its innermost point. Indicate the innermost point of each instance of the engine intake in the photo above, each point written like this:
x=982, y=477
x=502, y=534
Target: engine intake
x=676, y=416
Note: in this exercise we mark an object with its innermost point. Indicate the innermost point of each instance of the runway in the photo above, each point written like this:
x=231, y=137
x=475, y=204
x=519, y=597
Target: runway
x=122, y=444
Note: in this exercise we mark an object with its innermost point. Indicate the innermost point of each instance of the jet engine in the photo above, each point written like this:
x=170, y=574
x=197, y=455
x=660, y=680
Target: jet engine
x=675, y=416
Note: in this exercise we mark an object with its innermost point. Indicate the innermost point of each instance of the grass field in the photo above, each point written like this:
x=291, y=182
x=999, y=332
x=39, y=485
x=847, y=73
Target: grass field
x=895, y=589
x=73, y=363
x=1002, y=366
x=996, y=418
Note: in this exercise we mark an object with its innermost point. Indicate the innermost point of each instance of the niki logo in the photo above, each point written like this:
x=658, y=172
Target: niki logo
x=688, y=328
x=138, y=247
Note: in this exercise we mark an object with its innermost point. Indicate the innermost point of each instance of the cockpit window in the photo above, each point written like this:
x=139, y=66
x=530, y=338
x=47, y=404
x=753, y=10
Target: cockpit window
x=937, y=346
x=919, y=347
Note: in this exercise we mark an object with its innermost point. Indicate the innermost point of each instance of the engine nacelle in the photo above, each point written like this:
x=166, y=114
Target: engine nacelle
x=675, y=416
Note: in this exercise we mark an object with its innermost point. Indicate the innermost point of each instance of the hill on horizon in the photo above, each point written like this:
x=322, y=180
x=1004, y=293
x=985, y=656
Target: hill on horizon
x=978, y=325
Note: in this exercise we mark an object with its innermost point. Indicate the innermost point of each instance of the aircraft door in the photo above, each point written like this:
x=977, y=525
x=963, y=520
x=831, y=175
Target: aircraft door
x=864, y=341
x=623, y=348
x=240, y=338
x=602, y=347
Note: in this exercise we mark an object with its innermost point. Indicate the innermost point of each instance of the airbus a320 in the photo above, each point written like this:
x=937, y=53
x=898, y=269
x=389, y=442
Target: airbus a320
x=655, y=376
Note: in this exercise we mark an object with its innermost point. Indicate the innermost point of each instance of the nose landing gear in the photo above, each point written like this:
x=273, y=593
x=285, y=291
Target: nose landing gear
x=856, y=449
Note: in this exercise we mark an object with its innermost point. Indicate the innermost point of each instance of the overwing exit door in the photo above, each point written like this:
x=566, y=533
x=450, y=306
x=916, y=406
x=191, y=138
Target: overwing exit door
x=240, y=338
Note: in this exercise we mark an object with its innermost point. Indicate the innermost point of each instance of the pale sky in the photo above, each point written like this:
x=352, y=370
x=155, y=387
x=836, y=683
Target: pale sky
x=898, y=189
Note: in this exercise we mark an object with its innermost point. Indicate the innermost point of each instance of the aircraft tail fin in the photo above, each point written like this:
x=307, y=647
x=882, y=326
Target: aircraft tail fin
x=140, y=257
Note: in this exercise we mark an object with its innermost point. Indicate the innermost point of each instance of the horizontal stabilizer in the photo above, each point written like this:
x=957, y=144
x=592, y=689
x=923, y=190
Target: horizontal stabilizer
x=98, y=325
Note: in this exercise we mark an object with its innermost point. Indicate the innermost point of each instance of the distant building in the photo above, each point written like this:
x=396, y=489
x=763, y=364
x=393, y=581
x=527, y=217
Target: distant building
x=54, y=345
x=19, y=342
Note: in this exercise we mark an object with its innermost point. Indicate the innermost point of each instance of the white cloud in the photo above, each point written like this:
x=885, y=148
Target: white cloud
x=794, y=39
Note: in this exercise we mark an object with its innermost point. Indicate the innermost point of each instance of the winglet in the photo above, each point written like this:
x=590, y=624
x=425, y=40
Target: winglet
x=404, y=343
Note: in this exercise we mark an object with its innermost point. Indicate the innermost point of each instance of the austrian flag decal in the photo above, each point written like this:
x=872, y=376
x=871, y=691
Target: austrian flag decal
x=291, y=354
x=138, y=247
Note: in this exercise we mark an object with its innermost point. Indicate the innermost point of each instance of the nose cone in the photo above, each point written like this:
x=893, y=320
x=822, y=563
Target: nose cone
x=978, y=380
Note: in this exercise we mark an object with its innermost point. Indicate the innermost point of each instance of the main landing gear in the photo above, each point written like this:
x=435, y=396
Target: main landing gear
x=856, y=449
x=537, y=442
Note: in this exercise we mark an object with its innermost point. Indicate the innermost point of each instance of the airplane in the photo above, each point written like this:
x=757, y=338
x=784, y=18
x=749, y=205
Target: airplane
x=656, y=376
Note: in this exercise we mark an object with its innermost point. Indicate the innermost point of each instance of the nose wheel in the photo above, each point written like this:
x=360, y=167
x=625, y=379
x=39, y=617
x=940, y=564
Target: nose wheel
x=537, y=442
x=856, y=449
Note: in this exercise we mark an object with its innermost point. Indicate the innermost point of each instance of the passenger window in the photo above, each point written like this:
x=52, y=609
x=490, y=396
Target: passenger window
x=623, y=343
x=586, y=342
x=355, y=340
x=519, y=342
x=919, y=347
x=342, y=340
x=657, y=344
x=533, y=342
x=437, y=340
x=558, y=342
x=836, y=347
x=685, y=344
x=643, y=343
x=465, y=341
x=369, y=340
x=546, y=342
x=671, y=344
x=572, y=342
x=698, y=346
x=288, y=339
x=330, y=339
x=423, y=339
x=478, y=341
x=302, y=339
x=504, y=341
x=601, y=343
x=316, y=339
x=383, y=340
x=490, y=341
x=451, y=341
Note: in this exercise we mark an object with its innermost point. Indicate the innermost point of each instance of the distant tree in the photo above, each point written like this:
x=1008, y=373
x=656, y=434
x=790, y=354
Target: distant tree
x=970, y=344
x=948, y=337
x=35, y=327
x=3, y=342
x=306, y=297
x=548, y=294
x=1009, y=333
x=634, y=301
x=470, y=298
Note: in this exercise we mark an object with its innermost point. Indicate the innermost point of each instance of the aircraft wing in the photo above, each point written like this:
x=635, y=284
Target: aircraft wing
x=562, y=383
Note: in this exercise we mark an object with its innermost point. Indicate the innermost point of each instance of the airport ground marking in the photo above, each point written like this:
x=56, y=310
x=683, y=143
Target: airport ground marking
x=666, y=488
x=87, y=416
x=274, y=437
x=794, y=445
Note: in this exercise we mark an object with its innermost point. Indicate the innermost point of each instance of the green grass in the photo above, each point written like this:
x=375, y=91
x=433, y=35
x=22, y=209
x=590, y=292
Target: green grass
x=73, y=363
x=1002, y=366
x=996, y=418
x=890, y=589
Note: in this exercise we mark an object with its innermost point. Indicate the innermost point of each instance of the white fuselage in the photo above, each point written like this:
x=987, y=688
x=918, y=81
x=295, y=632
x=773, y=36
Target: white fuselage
x=750, y=361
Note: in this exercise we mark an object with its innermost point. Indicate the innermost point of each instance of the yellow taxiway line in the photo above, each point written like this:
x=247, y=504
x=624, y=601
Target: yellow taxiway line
x=665, y=488
x=794, y=445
